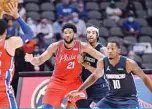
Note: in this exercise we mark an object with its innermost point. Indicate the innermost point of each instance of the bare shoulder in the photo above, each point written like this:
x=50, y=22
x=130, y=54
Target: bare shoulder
x=130, y=65
x=14, y=39
x=53, y=47
x=84, y=45
x=130, y=62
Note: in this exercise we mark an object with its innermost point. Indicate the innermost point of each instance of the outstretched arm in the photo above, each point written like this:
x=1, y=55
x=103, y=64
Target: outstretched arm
x=132, y=66
x=90, y=80
x=43, y=57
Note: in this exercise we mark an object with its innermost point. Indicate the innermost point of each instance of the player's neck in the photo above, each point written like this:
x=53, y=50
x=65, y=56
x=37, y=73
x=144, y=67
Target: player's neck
x=114, y=61
x=68, y=46
x=94, y=44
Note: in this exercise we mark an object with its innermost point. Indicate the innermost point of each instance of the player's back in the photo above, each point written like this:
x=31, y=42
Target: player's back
x=121, y=82
x=6, y=66
x=67, y=67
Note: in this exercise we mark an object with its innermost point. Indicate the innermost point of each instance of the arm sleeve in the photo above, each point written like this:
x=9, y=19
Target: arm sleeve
x=28, y=33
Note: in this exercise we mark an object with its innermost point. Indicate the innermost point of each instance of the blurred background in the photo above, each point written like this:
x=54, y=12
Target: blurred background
x=128, y=22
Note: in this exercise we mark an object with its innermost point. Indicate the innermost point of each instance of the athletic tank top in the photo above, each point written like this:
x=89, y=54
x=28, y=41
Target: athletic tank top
x=121, y=82
x=6, y=67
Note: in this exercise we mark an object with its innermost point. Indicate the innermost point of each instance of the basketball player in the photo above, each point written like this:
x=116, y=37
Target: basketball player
x=7, y=52
x=100, y=88
x=118, y=70
x=67, y=70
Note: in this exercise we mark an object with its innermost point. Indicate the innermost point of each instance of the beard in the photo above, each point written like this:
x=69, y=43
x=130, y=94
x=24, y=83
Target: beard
x=69, y=42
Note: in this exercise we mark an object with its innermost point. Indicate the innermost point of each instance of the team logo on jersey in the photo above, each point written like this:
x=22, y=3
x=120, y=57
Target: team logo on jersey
x=108, y=68
x=75, y=49
x=120, y=69
x=36, y=100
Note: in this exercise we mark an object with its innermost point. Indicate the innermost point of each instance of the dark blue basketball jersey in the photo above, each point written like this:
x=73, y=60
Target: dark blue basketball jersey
x=121, y=82
x=97, y=89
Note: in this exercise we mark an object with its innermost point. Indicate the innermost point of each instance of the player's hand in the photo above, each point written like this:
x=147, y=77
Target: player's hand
x=13, y=11
x=28, y=57
x=72, y=94
x=80, y=59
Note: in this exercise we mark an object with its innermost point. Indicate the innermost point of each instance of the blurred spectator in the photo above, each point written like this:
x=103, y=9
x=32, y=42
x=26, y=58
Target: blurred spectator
x=113, y=12
x=28, y=47
x=80, y=24
x=131, y=26
x=58, y=25
x=64, y=9
x=82, y=12
x=12, y=29
x=32, y=25
x=36, y=52
x=45, y=28
x=130, y=8
x=41, y=43
x=21, y=9
x=132, y=55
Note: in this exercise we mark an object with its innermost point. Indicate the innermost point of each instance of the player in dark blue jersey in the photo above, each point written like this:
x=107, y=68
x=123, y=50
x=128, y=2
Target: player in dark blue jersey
x=100, y=88
x=118, y=70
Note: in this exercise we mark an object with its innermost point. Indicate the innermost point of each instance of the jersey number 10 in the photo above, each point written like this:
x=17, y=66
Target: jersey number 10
x=116, y=84
x=70, y=65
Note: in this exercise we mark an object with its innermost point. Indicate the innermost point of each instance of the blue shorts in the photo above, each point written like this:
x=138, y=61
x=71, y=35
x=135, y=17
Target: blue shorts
x=97, y=93
x=126, y=102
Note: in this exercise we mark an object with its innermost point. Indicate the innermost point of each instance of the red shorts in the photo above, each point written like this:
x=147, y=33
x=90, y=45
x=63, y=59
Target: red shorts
x=55, y=93
x=7, y=100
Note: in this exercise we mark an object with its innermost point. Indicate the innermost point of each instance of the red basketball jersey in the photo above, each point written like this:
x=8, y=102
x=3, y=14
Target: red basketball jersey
x=6, y=67
x=67, y=68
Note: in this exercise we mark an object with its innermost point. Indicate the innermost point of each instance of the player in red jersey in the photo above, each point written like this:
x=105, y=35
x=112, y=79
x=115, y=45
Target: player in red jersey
x=67, y=69
x=7, y=52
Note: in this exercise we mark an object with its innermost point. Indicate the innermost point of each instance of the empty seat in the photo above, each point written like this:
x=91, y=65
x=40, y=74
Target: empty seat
x=116, y=39
x=104, y=5
x=146, y=66
x=109, y=23
x=120, y=22
x=94, y=15
x=47, y=7
x=93, y=22
x=138, y=5
x=123, y=50
x=103, y=32
x=32, y=7
x=121, y=5
x=92, y=6
x=138, y=59
x=34, y=15
x=141, y=14
x=142, y=22
x=147, y=31
x=130, y=39
x=48, y=15
x=27, y=1
x=116, y=31
x=147, y=58
x=145, y=39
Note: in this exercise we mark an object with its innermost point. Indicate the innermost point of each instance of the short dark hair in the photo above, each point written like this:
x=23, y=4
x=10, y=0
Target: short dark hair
x=71, y=26
x=117, y=43
x=3, y=26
